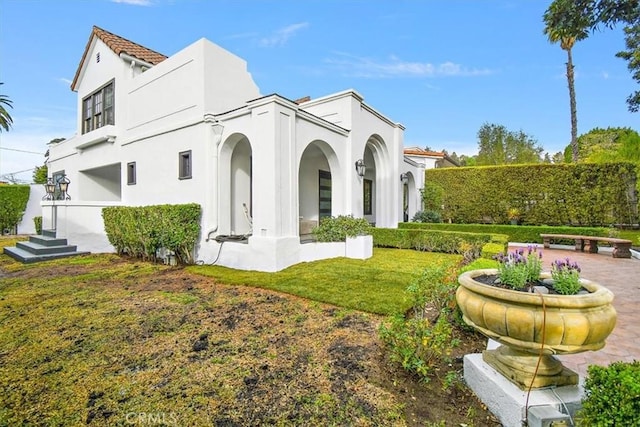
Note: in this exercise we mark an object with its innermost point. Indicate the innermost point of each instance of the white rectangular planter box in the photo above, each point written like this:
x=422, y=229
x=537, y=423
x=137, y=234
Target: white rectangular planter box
x=359, y=247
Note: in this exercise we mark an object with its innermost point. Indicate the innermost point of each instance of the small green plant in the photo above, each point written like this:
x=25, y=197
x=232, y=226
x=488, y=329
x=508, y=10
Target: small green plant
x=427, y=216
x=518, y=270
x=612, y=395
x=337, y=229
x=37, y=222
x=513, y=214
x=566, y=276
x=417, y=342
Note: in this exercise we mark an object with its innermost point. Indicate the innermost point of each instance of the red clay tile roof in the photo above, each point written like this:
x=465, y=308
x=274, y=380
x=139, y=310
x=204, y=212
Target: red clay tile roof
x=119, y=45
x=421, y=152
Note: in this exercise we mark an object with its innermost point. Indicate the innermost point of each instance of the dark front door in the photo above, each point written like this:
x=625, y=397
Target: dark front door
x=324, y=196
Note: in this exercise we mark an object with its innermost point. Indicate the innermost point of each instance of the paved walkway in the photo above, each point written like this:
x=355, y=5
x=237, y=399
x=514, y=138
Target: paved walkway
x=622, y=277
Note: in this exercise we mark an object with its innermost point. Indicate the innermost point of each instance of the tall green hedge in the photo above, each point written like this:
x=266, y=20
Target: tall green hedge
x=141, y=231
x=566, y=194
x=13, y=203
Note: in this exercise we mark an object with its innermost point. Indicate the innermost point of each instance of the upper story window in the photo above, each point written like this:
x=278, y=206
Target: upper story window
x=98, y=108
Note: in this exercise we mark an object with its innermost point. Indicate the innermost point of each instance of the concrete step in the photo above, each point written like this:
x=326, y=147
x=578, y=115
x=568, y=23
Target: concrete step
x=47, y=240
x=38, y=249
x=29, y=257
x=49, y=233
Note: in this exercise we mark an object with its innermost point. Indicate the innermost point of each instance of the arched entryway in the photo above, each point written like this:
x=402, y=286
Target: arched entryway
x=410, y=198
x=319, y=192
x=375, y=199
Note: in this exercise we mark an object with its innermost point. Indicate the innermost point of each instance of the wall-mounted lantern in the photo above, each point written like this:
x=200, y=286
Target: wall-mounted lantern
x=404, y=177
x=361, y=168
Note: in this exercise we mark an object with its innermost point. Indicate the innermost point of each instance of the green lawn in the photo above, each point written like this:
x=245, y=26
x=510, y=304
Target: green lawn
x=633, y=235
x=375, y=285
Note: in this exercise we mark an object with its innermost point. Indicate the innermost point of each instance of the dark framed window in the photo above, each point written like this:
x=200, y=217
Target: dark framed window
x=367, y=197
x=98, y=109
x=324, y=196
x=131, y=173
x=184, y=165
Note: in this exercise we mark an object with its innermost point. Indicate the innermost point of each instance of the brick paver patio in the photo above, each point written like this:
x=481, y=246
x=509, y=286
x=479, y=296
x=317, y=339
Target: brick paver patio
x=622, y=277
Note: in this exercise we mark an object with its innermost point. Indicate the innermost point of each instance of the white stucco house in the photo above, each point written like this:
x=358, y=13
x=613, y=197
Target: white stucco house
x=194, y=128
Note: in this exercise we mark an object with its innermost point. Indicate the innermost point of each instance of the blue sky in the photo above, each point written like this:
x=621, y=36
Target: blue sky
x=442, y=68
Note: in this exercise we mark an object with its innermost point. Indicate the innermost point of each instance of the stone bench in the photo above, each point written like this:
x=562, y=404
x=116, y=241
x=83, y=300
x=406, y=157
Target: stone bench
x=621, y=247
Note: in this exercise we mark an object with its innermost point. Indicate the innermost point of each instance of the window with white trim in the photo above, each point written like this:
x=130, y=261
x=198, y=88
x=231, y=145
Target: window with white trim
x=98, y=108
x=184, y=165
x=131, y=173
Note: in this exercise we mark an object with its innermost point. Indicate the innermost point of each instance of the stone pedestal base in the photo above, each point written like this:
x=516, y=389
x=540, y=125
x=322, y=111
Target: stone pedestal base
x=507, y=401
x=523, y=369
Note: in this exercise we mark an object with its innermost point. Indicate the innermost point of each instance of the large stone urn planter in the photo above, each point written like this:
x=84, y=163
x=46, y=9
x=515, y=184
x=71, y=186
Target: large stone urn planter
x=515, y=319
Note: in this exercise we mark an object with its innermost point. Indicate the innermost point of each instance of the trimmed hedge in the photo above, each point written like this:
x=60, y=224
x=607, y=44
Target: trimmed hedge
x=565, y=194
x=141, y=231
x=430, y=240
x=337, y=229
x=13, y=203
x=514, y=233
x=490, y=250
x=612, y=395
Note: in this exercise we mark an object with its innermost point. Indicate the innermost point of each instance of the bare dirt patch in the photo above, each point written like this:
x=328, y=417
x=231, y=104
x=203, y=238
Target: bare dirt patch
x=202, y=353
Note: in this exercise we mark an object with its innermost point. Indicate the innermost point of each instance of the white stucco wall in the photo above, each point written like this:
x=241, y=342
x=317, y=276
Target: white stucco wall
x=33, y=209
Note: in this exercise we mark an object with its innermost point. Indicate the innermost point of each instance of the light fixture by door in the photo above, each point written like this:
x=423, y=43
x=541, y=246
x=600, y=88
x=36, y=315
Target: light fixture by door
x=361, y=168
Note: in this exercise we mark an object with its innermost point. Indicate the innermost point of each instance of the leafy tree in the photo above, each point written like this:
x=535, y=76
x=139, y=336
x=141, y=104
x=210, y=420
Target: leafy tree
x=576, y=16
x=5, y=118
x=558, y=158
x=498, y=146
x=468, y=160
x=566, y=23
x=40, y=174
x=600, y=12
x=632, y=56
x=610, y=145
x=454, y=157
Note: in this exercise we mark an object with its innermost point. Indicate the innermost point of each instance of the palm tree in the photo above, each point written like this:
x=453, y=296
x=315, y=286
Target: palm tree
x=567, y=24
x=5, y=119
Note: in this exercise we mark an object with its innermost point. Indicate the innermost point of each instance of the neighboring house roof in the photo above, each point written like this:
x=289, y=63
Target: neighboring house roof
x=119, y=45
x=417, y=151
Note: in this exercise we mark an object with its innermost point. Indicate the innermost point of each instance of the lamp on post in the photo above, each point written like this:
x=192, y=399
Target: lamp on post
x=50, y=189
x=361, y=168
x=63, y=183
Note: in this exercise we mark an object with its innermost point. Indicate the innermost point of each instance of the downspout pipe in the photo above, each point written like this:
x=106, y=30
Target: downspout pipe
x=214, y=136
x=134, y=60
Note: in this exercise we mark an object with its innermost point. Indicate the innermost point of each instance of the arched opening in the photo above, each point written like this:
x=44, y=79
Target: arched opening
x=318, y=192
x=236, y=186
x=410, y=197
x=374, y=198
